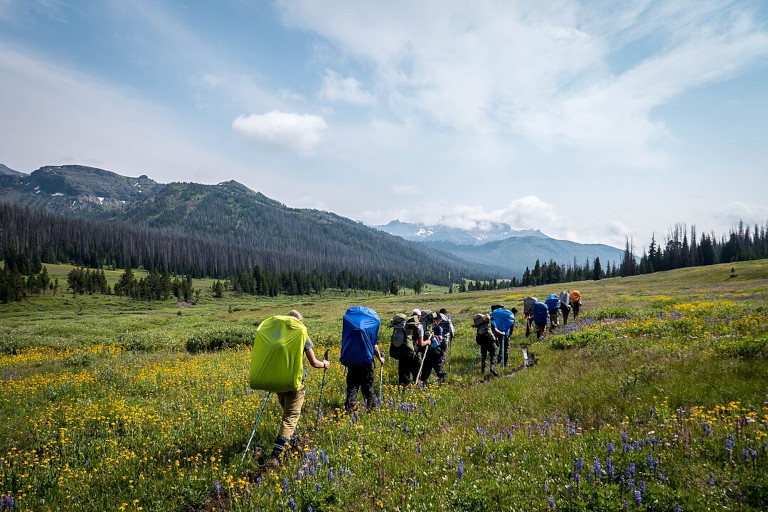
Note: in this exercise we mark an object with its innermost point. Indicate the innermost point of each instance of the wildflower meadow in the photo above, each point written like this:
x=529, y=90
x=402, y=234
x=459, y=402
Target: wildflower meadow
x=654, y=398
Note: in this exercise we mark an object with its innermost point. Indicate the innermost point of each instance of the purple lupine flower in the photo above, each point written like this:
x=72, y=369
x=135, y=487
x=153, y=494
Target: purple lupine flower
x=569, y=489
x=292, y=504
x=597, y=469
x=753, y=454
x=544, y=487
x=745, y=453
x=318, y=487
x=706, y=428
x=624, y=436
x=490, y=457
x=638, y=498
x=677, y=508
x=589, y=477
x=609, y=448
x=577, y=478
x=625, y=505
x=285, y=484
x=631, y=469
x=711, y=480
x=418, y=448
x=551, y=502
x=609, y=468
x=578, y=464
x=643, y=487
x=217, y=487
x=258, y=480
x=330, y=475
x=729, y=443
x=461, y=470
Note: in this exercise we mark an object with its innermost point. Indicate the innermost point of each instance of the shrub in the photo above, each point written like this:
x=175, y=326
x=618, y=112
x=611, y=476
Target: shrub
x=579, y=339
x=220, y=339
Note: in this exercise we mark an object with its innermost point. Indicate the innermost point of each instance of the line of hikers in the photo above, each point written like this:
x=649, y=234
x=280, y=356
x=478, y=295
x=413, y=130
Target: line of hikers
x=419, y=342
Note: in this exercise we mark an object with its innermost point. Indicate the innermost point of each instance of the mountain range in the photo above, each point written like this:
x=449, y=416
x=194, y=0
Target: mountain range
x=499, y=244
x=263, y=231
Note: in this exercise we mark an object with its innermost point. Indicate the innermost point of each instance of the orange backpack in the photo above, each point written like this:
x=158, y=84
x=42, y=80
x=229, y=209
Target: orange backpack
x=575, y=296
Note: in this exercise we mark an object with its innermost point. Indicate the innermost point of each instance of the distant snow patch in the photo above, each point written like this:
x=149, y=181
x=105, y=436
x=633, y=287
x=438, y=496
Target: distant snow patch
x=101, y=199
x=56, y=194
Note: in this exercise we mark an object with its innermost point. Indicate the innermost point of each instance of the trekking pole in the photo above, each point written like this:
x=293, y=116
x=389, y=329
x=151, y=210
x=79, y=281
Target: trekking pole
x=418, y=375
x=322, y=385
x=381, y=379
x=473, y=361
x=266, y=397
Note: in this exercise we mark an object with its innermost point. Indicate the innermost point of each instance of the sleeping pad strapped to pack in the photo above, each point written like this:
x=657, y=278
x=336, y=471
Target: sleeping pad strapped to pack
x=359, y=334
x=276, y=359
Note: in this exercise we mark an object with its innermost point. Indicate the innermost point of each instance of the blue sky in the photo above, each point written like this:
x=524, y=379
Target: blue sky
x=590, y=120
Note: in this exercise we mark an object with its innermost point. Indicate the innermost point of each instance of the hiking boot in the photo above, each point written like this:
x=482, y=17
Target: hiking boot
x=493, y=372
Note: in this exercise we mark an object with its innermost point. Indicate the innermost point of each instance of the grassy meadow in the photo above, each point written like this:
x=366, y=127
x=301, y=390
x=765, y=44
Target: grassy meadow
x=655, y=399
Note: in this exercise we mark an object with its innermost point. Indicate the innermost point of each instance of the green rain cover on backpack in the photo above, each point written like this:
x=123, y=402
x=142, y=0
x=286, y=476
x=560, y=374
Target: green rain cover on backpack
x=276, y=359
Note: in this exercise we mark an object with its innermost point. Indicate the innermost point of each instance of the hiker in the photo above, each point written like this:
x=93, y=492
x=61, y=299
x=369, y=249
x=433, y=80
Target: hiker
x=528, y=303
x=553, y=307
x=435, y=354
x=292, y=401
x=540, y=316
x=449, y=332
x=486, y=337
x=565, y=305
x=575, y=303
x=504, y=320
x=407, y=337
x=359, y=344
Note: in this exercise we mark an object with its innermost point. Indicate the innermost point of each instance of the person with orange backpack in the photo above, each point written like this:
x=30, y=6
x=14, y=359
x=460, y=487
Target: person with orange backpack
x=575, y=303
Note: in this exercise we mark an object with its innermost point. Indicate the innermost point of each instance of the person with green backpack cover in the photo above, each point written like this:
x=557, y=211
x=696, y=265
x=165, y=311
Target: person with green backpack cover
x=277, y=366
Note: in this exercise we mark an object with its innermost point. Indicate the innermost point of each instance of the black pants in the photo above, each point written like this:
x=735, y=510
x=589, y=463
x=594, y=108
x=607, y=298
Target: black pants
x=565, y=309
x=488, y=348
x=576, y=306
x=435, y=360
x=408, y=367
x=540, y=330
x=360, y=378
x=528, y=325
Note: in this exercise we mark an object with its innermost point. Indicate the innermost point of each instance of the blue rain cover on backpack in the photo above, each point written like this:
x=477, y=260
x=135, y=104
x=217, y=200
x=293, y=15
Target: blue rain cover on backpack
x=359, y=334
x=540, y=313
x=553, y=302
x=503, y=318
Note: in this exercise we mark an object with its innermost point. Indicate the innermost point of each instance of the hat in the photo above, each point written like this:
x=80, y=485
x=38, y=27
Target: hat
x=416, y=311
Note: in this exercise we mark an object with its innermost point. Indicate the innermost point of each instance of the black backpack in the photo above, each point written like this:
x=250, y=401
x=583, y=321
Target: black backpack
x=401, y=342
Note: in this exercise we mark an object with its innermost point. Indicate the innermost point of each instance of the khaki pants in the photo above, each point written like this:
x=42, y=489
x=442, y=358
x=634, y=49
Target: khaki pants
x=291, y=402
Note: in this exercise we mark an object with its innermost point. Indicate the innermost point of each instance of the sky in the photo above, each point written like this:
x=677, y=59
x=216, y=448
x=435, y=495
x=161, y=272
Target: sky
x=592, y=121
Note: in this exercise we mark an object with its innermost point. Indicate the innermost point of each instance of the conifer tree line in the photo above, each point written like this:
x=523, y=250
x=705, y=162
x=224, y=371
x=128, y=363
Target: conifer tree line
x=679, y=250
x=46, y=237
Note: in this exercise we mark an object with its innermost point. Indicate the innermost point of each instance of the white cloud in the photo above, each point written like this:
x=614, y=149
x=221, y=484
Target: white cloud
x=297, y=132
x=542, y=70
x=736, y=211
x=348, y=90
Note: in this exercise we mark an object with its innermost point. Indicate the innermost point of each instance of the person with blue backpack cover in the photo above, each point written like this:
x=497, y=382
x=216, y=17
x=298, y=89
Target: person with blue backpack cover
x=540, y=317
x=359, y=344
x=505, y=322
x=553, y=307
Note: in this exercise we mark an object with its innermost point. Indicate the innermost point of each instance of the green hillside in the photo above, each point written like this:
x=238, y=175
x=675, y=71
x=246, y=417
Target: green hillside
x=654, y=399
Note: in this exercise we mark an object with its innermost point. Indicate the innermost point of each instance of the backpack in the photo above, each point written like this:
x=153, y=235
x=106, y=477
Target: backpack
x=528, y=303
x=359, y=335
x=575, y=296
x=276, y=358
x=553, y=303
x=540, y=313
x=565, y=299
x=484, y=331
x=503, y=318
x=401, y=342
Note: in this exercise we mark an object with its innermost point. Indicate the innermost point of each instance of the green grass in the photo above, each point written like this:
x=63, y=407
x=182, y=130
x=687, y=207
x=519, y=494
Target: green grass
x=104, y=407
